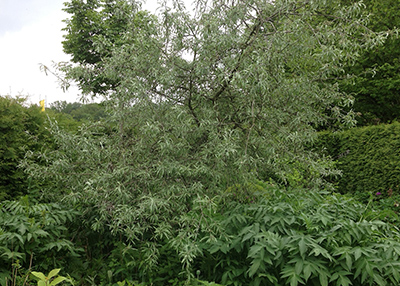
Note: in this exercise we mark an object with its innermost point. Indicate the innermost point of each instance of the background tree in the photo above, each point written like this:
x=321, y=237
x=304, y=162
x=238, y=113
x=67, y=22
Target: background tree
x=94, y=29
x=80, y=112
x=376, y=88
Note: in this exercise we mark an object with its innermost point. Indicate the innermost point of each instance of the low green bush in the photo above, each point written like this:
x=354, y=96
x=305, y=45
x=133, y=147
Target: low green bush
x=300, y=238
x=34, y=236
x=369, y=158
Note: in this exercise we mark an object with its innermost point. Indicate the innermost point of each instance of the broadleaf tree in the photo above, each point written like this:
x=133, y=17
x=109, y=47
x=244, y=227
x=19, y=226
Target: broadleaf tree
x=94, y=29
x=375, y=86
x=204, y=99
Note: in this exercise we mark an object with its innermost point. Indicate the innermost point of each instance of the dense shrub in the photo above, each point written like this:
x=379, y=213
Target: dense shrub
x=301, y=238
x=369, y=158
x=21, y=129
x=24, y=129
x=35, y=236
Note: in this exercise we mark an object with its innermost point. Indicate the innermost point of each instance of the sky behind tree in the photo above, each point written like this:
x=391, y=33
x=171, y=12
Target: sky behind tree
x=30, y=35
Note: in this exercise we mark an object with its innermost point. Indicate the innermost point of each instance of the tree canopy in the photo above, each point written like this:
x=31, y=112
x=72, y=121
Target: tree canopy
x=80, y=112
x=94, y=29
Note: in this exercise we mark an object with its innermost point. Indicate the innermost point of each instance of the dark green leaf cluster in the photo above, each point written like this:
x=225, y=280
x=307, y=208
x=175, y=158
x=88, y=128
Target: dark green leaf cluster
x=22, y=129
x=301, y=238
x=35, y=234
x=80, y=112
x=369, y=158
x=94, y=29
x=376, y=85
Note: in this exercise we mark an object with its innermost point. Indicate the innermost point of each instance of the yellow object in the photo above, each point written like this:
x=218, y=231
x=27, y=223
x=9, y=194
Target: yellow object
x=42, y=104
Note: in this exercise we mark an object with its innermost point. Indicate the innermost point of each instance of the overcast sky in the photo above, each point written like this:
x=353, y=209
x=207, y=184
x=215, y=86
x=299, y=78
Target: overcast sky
x=30, y=34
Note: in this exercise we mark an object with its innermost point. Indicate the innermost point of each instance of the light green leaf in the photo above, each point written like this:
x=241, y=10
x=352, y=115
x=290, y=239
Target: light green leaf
x=39, y=275
x=57, y=280
x=53, y=273
x=299, y=266
x=349, y=262
x=344, y=281
x=41, y=232
x=357, y=253
x=307, y=272
x=379, y=280
x=22, y=229
x=20, y=238
x=254, y=267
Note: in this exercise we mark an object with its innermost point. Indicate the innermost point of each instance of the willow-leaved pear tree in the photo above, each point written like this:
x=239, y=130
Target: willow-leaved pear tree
x=204, y=99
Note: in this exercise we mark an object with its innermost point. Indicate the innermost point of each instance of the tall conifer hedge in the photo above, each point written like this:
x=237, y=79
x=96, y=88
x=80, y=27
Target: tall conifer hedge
x=369, y=158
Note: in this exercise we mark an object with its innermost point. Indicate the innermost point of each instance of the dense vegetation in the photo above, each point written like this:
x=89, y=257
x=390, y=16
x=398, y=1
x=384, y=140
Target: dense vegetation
x=21, y=129
x=368, y=156
x=203, y=165
x=369, y=159
x=375, y=86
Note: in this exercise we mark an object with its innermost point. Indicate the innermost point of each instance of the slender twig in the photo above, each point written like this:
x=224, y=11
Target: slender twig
x=250, y=128
x=29, y=269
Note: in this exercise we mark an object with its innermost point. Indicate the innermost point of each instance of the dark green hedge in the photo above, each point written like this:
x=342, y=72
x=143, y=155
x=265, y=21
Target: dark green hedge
x=368, y=156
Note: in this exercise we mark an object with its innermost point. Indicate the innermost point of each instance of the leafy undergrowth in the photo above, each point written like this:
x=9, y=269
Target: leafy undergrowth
x=279, y=237
x=34, y=236
x=302, y=238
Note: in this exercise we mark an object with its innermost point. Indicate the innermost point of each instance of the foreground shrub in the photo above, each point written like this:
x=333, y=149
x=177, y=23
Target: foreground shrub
x=301, y=238
x=34, y=236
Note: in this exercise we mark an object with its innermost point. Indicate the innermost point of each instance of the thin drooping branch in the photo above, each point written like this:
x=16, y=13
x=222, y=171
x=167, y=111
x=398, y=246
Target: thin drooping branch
x=246, y=45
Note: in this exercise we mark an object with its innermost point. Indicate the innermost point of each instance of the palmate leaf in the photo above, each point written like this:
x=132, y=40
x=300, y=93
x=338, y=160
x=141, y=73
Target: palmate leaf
x=12, y=254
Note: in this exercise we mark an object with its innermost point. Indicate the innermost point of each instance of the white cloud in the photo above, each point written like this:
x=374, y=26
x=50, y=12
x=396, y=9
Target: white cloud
x=33, y=36
x=22, y=51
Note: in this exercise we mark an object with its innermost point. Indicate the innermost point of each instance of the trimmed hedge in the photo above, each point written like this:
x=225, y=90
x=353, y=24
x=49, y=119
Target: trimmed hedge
x=369, y=158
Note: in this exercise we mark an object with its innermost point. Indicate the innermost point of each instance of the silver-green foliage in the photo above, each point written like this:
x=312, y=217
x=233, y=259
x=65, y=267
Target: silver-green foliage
x=205, y=100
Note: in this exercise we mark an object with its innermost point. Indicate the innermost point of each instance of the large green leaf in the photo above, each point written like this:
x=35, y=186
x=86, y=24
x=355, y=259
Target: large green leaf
x=39, y=275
